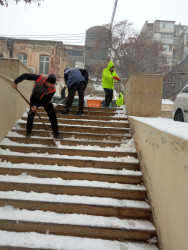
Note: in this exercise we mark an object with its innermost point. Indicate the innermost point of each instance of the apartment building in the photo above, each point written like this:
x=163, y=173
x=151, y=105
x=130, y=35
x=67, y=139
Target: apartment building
x=174, y=38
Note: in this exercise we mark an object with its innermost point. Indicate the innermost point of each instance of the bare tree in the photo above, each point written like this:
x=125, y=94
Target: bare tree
x=6, y=2
x=136, y=53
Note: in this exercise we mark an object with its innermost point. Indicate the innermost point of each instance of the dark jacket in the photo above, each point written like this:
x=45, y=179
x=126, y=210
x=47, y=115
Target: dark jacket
x=74, y=75
x=63, y=93
x=41, y=96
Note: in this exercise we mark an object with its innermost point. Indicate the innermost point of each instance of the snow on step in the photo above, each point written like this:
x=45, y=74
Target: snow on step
x=71, y=169
x=56, y=242
x=46, y=155
x=25, y=179
x=94, y=120
x=11, y=213
x=19, y=134
x=46, y=197
x=127, y=146
x=73, y=125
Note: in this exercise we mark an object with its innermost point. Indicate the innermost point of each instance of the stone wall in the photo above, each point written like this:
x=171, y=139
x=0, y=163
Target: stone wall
x=143, y=95
x=164, y=163
x=12, y=105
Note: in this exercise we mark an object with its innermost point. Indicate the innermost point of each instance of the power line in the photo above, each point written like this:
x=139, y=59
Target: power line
x=80, y=38
x=65, y=36
x=111, y=24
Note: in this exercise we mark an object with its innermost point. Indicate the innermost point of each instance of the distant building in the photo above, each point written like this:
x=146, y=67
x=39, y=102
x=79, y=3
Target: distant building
x=175, y=80
x=96, y=47
x=174, y=38
x=77, y=55
x=41, y=57
x=45, y=57
x=95, y=51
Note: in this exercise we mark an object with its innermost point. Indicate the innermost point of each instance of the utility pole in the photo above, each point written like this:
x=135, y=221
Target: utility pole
x=111, y=24
x=113, y=14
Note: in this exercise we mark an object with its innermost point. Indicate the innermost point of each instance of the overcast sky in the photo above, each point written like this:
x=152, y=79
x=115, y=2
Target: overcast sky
x=76, y=16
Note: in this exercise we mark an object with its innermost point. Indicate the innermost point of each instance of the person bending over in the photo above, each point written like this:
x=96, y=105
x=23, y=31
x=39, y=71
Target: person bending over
x=76, y=80
x=42, y=94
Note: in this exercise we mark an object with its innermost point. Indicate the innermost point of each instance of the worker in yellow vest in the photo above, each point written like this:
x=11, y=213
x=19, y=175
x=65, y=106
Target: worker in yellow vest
x=119, y=101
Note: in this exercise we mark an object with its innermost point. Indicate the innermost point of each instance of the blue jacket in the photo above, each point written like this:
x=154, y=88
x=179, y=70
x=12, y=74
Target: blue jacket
x=74, y=75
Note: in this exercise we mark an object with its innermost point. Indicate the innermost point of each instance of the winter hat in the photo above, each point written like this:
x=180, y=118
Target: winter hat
x=51, y=78
x=66, y=69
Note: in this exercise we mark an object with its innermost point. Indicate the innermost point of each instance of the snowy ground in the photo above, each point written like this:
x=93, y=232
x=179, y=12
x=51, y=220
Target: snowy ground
x=179, y=129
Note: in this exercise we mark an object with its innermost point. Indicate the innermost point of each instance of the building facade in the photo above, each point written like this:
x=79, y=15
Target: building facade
x=41, y=57
x=174, y=39
x=45, y=57
x=77, y=55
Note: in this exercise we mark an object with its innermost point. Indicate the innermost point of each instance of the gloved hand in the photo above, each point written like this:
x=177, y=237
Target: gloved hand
x=116, y=78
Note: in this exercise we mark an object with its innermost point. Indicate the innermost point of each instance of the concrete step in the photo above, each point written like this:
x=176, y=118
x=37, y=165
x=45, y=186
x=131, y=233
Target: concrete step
x=73, y=173
x=67, y=151
x=78, y=135
x=59, y=242
x=67, y=142
x=72, y=187
x=80, y=162
x=86, y=117
x=89, y=109
x=76, y=204
x=109, y=113
x=65, y=121
x=76, y=225
x=82, y=129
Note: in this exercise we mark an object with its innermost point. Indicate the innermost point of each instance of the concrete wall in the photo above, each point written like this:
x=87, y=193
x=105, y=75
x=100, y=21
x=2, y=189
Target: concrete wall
x=164, y=163
x=12, y=106
x=166, y=111
x=143, y=95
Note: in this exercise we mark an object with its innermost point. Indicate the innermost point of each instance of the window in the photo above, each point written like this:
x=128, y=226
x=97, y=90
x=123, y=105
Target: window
x=176, y=31
x=166, y=25
x=1, y=55
x=72, y=52
x=175, y=52
x=186, y=49
x=176, y=41
x=44, y=65
x=166, y=37
x=169, y=59
x=167, y=47
x=23, y=58
x=99, y=56
x=185, y=90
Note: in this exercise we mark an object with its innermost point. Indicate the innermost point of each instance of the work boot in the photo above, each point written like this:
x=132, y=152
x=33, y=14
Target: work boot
x=79, y=113
x=28, y=134
x=58, y=136
x=65, y=112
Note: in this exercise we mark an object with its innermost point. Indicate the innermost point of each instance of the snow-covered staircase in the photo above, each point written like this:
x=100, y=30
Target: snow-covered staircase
x=87, y=193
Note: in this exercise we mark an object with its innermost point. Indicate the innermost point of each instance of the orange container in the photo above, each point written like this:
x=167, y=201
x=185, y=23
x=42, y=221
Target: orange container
x=94, y=103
